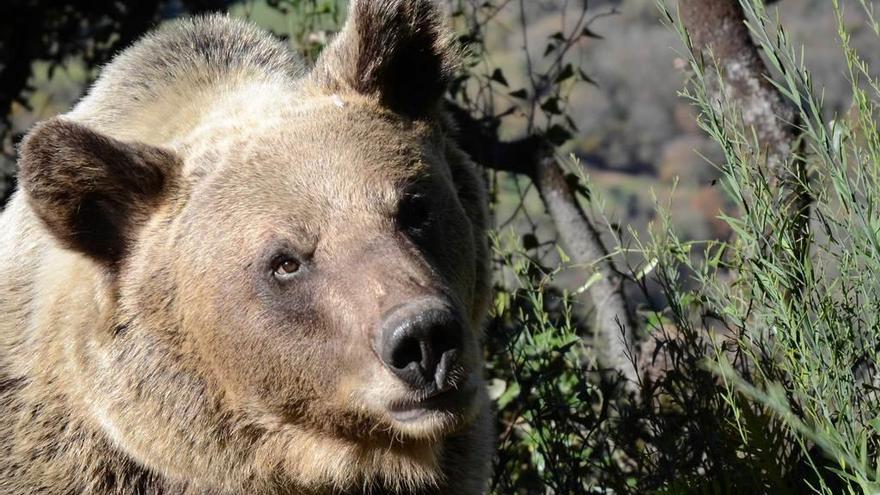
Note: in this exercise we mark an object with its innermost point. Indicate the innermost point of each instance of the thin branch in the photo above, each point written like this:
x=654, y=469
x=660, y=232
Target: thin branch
x=615, y=323
x=533, y=157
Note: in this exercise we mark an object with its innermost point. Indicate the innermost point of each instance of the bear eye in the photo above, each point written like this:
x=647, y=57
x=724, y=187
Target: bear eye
x=414, y=213
x=286, y=267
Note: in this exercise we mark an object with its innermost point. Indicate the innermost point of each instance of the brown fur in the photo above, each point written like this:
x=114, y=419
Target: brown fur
x=144, y=345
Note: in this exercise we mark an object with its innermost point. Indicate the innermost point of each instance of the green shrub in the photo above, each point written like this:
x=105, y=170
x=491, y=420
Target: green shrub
x=760, y=363
x=796, y=338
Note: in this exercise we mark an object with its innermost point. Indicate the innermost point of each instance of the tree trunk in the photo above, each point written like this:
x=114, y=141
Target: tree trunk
x=615, y=324
x=718, y=32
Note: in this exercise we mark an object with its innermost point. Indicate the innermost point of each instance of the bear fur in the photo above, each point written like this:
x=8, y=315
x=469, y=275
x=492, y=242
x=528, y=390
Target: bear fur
x=146, y=345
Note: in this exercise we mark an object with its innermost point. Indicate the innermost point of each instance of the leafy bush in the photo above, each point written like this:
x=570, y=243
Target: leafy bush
x=760, y=365
x=804, y=326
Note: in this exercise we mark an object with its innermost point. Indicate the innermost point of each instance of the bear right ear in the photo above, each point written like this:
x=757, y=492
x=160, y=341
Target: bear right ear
x=90, y=190
x=398, y=51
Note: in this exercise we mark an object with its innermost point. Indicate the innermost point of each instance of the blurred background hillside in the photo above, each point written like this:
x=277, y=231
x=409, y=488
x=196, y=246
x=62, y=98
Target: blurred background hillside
x=635, y=136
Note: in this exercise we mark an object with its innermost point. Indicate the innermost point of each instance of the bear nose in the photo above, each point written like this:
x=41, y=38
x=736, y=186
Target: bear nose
x=421, y=346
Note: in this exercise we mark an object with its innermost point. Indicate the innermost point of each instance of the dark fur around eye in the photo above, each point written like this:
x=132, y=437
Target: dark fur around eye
x=414, y=213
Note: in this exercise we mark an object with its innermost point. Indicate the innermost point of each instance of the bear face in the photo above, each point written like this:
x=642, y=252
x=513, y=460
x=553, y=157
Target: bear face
x=296, y=286
x=328, y=251
x=295, y=267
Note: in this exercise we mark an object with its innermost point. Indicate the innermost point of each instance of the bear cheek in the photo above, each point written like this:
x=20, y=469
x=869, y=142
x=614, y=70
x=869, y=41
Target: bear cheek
x=283, y=360
x=291, y=363
x=453, y=255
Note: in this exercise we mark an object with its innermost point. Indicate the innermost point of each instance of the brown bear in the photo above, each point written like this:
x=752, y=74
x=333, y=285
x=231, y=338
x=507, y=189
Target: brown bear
x=225, y=274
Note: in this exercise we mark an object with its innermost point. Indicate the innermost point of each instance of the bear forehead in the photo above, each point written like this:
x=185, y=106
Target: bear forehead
x=312, y=163
x=336, y=138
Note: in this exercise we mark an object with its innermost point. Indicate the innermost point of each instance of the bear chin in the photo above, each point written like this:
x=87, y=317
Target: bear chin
x=437, y=416
x=399, y=464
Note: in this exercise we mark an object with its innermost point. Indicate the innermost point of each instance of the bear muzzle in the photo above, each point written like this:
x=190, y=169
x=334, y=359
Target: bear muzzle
x=423, y=344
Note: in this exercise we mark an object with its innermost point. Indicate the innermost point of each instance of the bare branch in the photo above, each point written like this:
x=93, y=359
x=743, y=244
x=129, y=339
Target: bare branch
x=615, y=323
x=533, y=157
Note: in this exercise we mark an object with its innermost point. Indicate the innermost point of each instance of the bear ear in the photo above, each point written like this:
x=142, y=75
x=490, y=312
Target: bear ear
x=90, y=190
x=396, y=50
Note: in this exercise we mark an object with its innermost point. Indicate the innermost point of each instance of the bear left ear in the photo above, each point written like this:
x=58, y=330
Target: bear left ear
x=396, y=50
x=90, y=190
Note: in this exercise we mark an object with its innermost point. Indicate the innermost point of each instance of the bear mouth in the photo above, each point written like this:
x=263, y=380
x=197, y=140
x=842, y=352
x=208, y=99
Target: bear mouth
x=447, y=404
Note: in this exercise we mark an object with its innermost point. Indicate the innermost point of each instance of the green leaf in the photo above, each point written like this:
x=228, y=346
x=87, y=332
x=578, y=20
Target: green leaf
x=467, y=39
x=551, y=106
x=522, y=94
x=509, y=394
x=574, y=182
x=588, y=33
x=589, y=283
x=498, y=77
x=497, y=387
x=647, y=269
x=558, y=135
x=584, y=77
x=502, y=302
x=529, y=241
x=566, y=73
x=562, y=256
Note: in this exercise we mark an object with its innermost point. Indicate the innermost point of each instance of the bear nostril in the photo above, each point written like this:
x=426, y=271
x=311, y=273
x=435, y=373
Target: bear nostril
x=442, y=341
x=406, y=352
x=421, y=346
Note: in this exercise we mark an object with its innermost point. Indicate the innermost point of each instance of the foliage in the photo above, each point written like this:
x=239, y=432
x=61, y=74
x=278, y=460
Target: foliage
x=306, y=24
x=805, y=328
x=751, y=383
